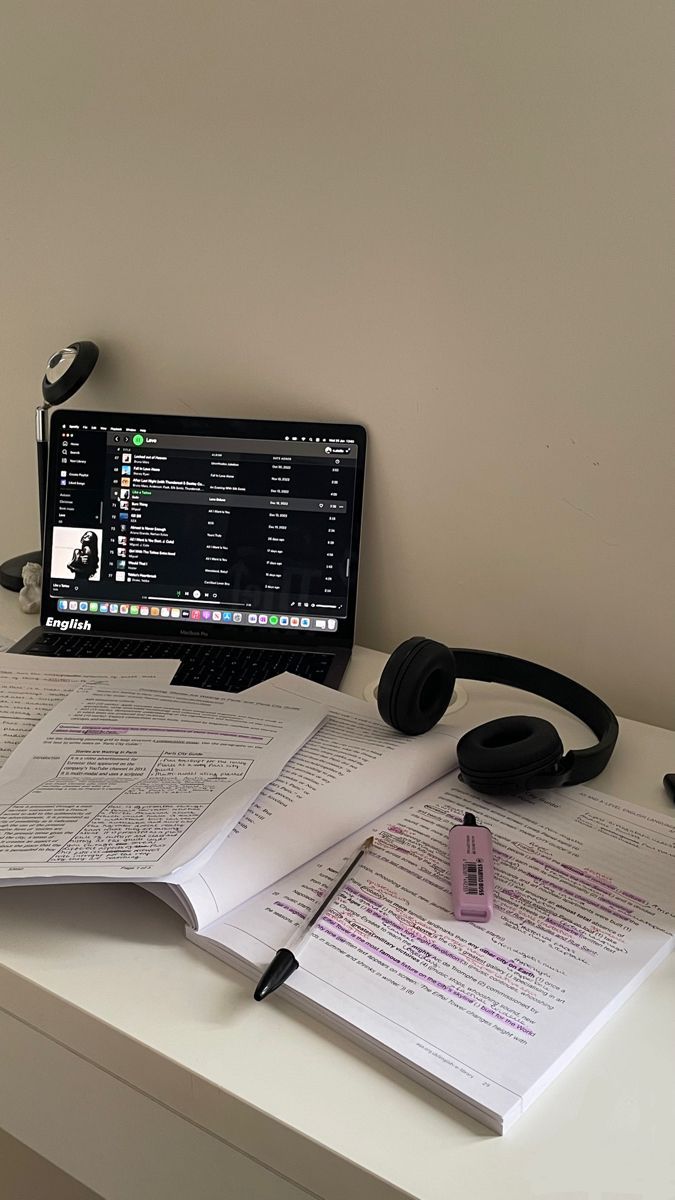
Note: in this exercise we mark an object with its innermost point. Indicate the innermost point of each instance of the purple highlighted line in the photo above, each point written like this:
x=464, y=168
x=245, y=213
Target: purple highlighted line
x=408, y=931
x=590, y=878
x=372, y=908
x=508, y=962
x=289, y=908
x=507, y=1020
x=99, y=729
x=616, y=910
x=577, y=933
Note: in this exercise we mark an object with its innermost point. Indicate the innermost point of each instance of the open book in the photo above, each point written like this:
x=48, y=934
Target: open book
x=484, y=1015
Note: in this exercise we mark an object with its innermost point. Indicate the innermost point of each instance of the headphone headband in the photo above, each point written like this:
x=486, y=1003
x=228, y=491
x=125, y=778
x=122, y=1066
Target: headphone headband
x=491, y=667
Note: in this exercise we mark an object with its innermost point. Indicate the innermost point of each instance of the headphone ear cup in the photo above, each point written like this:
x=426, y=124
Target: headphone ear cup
x=506, y=755
x=416, y=685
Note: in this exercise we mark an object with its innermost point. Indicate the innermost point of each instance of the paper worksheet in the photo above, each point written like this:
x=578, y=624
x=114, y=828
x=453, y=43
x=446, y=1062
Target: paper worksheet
x=354, y=768
x=138, y=782
x=487, y=1015
x=31, y=686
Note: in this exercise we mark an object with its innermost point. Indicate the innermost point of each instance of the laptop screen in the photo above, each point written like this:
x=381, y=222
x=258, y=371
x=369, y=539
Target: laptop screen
x=199, y=524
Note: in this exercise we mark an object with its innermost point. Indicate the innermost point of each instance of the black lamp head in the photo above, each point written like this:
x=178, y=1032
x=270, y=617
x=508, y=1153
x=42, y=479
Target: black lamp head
x=67, y=370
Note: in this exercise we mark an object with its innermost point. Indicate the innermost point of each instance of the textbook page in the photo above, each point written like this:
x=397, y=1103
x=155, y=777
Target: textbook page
x=487, y=1015
x=31, y=686
x=354, y=768
x=138, y=782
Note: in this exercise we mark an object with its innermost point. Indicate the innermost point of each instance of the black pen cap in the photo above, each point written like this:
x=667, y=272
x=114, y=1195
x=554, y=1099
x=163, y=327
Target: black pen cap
x=281, y=967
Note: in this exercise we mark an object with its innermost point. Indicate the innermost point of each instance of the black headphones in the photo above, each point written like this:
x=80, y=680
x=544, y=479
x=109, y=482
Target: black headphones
x=511, y=754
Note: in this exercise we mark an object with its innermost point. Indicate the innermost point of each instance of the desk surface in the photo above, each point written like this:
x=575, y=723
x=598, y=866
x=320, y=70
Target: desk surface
x=104, y=975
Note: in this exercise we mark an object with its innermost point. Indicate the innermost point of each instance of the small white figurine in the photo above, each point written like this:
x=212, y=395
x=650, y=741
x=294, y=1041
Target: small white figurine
x=29, y=596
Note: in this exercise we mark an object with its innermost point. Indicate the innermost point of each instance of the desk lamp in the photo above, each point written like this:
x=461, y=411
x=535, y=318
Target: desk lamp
x=66, y=371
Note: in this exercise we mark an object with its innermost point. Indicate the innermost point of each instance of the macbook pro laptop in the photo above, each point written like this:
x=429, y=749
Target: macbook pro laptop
x=230, y=544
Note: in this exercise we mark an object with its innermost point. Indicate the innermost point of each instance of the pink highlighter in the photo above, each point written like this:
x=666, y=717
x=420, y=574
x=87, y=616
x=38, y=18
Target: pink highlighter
x=471, y=871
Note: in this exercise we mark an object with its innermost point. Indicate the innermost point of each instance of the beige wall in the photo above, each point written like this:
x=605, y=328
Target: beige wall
x=451, y=221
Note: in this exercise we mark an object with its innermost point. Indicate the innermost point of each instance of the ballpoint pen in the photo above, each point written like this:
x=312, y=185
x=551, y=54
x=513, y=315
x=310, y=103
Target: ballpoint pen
x=285, y=961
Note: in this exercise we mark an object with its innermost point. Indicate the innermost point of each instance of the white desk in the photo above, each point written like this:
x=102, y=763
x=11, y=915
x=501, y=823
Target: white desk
x=140, y=1065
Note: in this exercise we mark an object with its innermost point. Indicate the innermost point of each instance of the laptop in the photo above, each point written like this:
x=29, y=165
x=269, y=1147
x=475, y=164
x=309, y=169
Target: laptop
x=232, y=545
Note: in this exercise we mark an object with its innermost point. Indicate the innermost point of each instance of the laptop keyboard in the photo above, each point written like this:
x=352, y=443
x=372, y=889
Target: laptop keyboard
x=222, y=668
